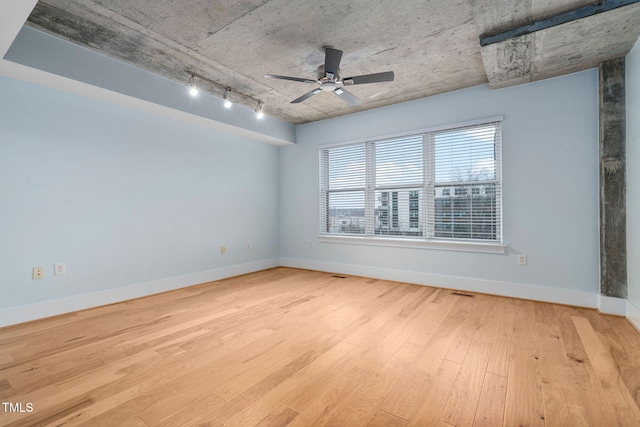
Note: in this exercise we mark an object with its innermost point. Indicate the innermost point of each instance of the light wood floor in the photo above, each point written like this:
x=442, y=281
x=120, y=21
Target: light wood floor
x=301, y=348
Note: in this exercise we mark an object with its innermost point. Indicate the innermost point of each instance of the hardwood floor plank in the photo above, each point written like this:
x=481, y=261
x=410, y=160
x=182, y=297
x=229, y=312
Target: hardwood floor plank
x=481, y=315
x=28, y=377
x=52, y=414
x=619, y=341
x=617, y=394
x=193, y=363
x=432, y=315
x=6, y=358
x=263, y=369
x=490, y=410
x=397, y=338
x=588, y=388
x=393, y=304
x=382, y=419
x=278, y=419
x=460, y=409
x=93, y=379
x=361, y=404
x=430, y=412
x=563, y=407
x=524, y=404
x=329, y=395
x=89, y=413
x=298, y=389
x=408, y=394
x=442, y=339
x=499, y=356
x=501, y=347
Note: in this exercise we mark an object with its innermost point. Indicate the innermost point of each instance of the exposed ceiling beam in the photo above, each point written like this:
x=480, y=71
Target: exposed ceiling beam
x=563, y=18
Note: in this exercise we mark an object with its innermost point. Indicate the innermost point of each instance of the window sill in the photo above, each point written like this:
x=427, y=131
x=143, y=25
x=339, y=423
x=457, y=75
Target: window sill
x=444, y=245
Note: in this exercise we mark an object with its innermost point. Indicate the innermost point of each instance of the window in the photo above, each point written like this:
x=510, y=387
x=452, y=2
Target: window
x=437, y=185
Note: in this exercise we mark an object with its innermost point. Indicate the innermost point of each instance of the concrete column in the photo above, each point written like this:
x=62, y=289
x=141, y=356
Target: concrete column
x=613, y=240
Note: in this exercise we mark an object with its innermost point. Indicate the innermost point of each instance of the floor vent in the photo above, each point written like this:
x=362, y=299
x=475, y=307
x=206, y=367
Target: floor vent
x=339, y=277
x=462, y=294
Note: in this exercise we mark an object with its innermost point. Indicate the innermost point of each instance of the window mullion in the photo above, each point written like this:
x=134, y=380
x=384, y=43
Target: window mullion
x=497, y=147
x=324, y=194
x=370, y=162
x=428, y=224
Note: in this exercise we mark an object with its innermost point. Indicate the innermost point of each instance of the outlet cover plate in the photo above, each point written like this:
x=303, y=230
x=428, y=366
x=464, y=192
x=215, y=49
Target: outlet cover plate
x=38, y=273
x=59, y=268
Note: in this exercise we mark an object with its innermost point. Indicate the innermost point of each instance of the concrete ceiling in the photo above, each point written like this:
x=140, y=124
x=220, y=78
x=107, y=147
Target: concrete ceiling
x=433, y=46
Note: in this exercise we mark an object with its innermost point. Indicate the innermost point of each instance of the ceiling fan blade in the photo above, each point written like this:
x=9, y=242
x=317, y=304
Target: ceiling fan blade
x=306, y=96
x=369, y=78
x=332, y=59
x=295, y=79
x=346, y=96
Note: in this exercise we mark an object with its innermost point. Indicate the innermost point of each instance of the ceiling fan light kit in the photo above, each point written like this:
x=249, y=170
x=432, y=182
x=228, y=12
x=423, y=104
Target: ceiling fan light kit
x=332, y=81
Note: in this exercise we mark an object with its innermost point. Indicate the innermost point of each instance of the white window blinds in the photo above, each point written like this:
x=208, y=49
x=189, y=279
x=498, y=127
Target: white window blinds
x=442, y=185
x=466, y=184
x=399, y=182
x=343, y=175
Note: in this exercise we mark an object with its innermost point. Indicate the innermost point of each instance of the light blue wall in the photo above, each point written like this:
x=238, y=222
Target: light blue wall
x=633, y=175
x=122, y=197
x=550, y=164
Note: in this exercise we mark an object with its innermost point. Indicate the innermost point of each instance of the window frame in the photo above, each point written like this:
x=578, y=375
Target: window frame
x=426, y=240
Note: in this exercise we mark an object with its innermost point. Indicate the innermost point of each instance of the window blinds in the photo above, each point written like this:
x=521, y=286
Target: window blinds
x=466, y=183
x=343, y=179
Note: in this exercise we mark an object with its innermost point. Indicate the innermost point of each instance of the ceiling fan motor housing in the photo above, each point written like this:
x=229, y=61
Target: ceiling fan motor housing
x=329, y=86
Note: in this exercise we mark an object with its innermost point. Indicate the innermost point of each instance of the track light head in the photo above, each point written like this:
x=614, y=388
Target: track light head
x=193, y=88
x=260, y=110
x=227, y=101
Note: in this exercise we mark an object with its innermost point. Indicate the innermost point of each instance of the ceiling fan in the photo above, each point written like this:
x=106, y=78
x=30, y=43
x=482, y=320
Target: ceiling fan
x=332, y=81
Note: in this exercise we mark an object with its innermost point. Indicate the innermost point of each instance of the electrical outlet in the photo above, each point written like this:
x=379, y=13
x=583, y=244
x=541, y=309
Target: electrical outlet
x=223, y=249
x=522, y=259
x=59, y=269
x=247, y=246
x=310, y=243
x=38, y=272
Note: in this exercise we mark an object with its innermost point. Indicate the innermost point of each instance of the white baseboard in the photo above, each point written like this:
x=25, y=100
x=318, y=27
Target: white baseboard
x=508, y=289
x=25, y=313
x=633, y=315
x=611, y=305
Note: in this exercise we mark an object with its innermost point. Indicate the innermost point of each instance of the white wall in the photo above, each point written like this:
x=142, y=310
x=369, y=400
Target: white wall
x=633, y=182
x=133, y=203
x=550, y=172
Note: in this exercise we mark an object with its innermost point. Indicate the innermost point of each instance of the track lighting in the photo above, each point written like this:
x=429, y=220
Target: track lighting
x=228, y=93
x=260, y=110
x=227, y=101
